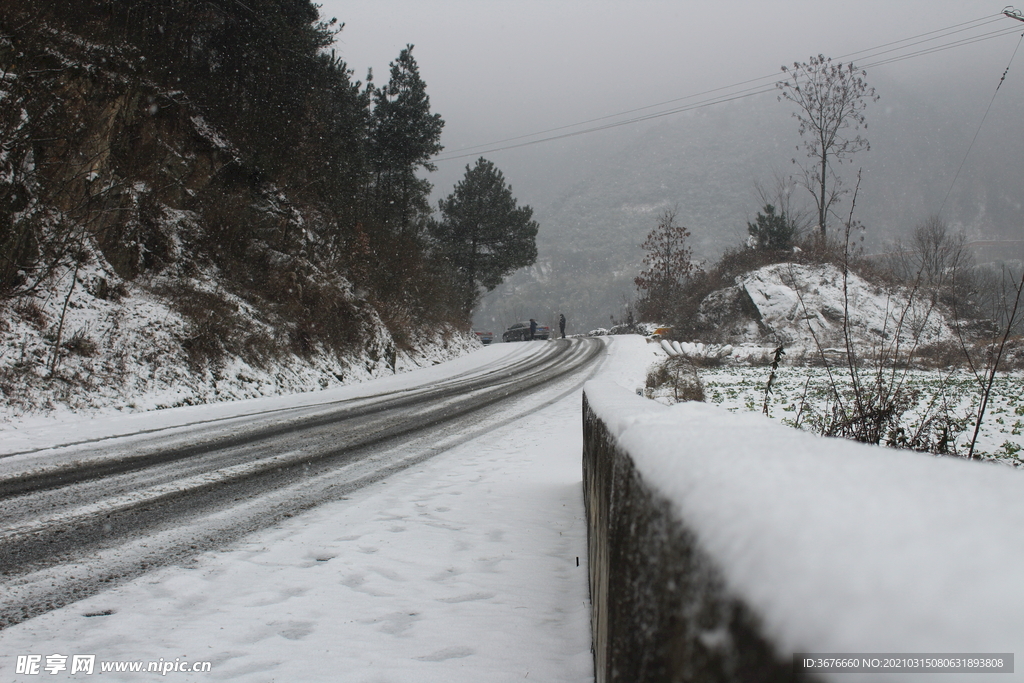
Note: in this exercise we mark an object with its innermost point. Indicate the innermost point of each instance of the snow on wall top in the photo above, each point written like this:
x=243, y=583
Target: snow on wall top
x=794, y=298
x=838, y=546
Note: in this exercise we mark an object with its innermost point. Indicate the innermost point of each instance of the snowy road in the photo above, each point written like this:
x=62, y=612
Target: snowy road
x=79, y=518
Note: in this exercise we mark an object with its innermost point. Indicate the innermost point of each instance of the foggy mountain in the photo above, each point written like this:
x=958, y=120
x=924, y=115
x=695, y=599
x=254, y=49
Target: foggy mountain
x=597, y=197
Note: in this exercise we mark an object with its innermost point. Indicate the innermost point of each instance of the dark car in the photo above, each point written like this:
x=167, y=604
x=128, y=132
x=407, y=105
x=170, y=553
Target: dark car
x=521, y=332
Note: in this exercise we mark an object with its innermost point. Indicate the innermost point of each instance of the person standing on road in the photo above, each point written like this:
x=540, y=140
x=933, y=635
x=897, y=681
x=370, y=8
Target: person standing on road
x=533, y=329
x=561, y=324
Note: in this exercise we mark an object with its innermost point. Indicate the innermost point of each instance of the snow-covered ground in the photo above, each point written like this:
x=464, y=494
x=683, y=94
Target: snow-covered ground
x=123, y=355
x=463, y=568
x=801, y=395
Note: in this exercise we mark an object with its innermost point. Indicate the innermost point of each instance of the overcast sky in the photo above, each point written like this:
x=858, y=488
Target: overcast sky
x=499, y=69
x=495, y=69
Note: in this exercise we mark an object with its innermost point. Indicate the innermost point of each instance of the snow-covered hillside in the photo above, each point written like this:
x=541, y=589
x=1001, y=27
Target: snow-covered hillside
x=131, y=352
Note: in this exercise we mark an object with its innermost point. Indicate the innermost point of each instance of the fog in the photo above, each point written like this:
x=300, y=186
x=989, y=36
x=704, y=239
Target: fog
x=497, y=71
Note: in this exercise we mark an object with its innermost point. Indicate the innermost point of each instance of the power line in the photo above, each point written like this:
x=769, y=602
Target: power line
x=936, y=35
x=751, y=91
x=610, y=116
x=975, y=23
x=942, y=48
x=977, y=132
x=616, y=124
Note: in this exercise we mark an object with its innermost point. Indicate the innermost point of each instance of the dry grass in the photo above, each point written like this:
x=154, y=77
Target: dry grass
x=676, y=377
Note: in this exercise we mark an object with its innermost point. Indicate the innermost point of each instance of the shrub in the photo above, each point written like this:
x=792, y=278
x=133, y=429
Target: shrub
x=81, y=343
x=214, y=327
x=676, y=377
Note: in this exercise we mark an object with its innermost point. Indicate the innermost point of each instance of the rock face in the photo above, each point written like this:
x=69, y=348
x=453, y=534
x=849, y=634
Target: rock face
x=803, y=305
x=733, y=315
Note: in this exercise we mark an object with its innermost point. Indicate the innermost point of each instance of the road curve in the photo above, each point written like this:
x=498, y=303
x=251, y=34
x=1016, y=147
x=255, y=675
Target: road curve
x=76, y=520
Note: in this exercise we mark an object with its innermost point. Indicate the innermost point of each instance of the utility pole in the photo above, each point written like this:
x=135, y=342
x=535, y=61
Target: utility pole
x=1012, y=13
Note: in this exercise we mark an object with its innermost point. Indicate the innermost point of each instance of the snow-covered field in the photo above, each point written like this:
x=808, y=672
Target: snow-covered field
x=461, y=569
x=740, y=389
x=802, y=394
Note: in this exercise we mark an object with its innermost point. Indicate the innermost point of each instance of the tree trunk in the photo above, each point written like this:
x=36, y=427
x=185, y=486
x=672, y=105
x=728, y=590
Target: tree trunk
x=822, y=206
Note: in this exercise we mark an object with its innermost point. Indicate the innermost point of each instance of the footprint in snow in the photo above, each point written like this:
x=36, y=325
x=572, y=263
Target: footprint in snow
x=447, y=574
x=448, y=653
x=387, y=574
x=318, y=558
x=396, y=622
x=356, y=581
x=267, y=598
x=297, y=630
x=467, y=598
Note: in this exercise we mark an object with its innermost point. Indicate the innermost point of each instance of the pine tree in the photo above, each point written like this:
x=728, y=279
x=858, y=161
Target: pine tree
x=483, y=234
x=404, y=135
x=771, y=231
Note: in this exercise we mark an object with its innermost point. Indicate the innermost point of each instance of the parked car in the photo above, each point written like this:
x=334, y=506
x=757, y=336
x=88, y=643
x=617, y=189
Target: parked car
x=485, y=337
x=521, y=332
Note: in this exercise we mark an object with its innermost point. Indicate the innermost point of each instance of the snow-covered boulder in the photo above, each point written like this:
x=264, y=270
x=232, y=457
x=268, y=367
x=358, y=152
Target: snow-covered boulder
x=804, y=305
x=731, y=314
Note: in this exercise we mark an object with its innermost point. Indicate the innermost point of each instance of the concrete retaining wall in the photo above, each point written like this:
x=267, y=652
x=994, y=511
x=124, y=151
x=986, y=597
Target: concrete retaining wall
x=660, y=611
x=722, y=544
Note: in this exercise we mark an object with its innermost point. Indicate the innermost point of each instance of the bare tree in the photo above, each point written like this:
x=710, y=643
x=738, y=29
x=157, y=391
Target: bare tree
x=936, y=258
x=933, y=251
x=830, y=99
x=669, y=264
